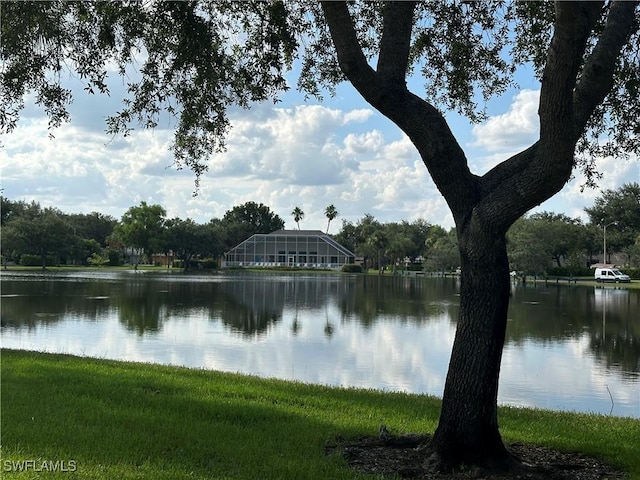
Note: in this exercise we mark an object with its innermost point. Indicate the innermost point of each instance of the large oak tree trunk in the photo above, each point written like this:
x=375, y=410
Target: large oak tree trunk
x=468, y=428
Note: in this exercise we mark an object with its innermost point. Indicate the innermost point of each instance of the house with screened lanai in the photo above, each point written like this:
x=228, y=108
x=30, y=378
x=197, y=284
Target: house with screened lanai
x=290, y=248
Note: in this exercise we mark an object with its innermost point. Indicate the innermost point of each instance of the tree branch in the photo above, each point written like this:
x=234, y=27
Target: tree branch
x=596, y=79
x=532, y=176
x=386, y=91
x=352, y=61
x=573, y=25
x=396, y=40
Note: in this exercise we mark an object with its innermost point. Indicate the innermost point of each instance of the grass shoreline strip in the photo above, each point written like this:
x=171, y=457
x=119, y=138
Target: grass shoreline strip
x=112, y=419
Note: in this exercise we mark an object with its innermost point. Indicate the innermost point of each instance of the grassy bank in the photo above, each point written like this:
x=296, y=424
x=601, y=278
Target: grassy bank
x=105, y=420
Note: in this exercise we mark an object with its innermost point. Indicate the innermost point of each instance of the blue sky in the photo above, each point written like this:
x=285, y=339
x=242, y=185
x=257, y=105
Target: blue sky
x=294, y=153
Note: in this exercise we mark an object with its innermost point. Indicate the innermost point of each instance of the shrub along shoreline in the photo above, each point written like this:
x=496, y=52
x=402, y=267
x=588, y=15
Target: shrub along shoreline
x=101, y=419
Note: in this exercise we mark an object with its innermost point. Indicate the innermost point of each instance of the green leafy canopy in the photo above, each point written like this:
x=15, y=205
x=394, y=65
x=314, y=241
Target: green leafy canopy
x=195, y=60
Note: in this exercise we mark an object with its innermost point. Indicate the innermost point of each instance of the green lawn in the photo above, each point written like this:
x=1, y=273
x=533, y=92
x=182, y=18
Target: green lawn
x=115, y=420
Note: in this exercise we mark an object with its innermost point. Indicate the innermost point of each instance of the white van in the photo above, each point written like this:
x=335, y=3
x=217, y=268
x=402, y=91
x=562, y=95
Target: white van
x=611, y=275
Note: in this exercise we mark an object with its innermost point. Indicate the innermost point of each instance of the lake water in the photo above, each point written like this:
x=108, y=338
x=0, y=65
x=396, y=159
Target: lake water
x=568, y=347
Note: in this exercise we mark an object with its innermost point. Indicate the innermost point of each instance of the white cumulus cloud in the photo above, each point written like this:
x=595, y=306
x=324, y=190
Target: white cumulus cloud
x=508, y=133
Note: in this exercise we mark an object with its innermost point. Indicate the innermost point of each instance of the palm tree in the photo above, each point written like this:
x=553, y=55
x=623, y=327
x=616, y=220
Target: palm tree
x=330, y=212
x=298, y=215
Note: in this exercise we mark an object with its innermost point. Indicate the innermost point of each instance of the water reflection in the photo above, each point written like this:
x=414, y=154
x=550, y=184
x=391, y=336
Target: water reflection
x=615, y=342
x=608, y=316
x=567, y=347
x=255, y=303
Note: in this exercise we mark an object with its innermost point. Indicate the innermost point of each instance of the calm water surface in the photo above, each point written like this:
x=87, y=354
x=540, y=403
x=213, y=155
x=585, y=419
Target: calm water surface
x=568, y=348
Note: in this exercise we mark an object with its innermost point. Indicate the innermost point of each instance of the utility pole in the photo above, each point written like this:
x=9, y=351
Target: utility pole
x=604, y=237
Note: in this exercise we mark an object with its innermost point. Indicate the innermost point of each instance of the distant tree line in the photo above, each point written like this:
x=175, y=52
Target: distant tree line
x=32, y=235
x=538, y=244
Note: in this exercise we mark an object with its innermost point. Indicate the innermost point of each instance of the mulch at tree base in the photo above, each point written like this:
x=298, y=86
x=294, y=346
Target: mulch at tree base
x=407, y=457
